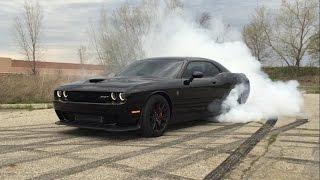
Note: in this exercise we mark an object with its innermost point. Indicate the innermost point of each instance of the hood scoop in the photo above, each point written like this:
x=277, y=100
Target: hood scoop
x=96, y=80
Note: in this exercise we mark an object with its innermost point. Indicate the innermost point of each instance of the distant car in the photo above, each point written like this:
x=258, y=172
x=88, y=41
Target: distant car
x=148, y=95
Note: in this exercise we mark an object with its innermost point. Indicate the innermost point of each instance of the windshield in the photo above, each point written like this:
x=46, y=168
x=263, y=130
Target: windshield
x=153, y=68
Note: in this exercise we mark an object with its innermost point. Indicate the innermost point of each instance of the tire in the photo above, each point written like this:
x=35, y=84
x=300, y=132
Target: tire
x=245, y=94
x=241, y=99
x=155, y=117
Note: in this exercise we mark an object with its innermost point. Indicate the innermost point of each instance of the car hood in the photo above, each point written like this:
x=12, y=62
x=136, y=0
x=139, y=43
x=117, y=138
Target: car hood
x=117, y=84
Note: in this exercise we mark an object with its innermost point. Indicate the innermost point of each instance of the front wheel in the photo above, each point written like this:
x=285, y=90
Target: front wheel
x=155, y=116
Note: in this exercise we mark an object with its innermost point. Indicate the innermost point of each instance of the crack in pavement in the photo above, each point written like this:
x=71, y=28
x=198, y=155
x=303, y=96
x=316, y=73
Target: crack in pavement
x=303, y=142
x=296, y=161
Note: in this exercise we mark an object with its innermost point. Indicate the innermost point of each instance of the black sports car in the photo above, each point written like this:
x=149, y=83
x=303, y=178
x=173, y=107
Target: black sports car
x=148, y=95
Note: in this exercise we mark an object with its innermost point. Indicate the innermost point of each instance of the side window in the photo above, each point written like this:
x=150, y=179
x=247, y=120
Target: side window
x=208, y=69
x=191, y=67
x=211, y=70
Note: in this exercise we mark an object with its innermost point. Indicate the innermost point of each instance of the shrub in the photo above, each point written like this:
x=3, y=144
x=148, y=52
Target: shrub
x=29, y=88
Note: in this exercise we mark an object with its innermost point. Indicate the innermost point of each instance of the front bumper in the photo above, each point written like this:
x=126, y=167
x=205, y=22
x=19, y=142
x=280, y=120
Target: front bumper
x=107, y=116
x=108, y=127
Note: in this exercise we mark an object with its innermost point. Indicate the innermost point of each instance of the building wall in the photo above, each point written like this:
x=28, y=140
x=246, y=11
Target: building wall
x=5, y=65
x=9, y=66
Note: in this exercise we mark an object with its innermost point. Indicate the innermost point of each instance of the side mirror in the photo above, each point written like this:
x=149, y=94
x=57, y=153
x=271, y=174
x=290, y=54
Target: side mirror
x=195, y=74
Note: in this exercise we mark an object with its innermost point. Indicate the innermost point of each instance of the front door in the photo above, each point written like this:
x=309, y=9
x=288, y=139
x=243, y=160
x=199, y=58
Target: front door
x=196, y=97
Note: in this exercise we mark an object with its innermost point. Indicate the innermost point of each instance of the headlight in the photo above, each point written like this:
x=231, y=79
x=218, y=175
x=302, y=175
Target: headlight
x=64, y=93
x=59, y=94
x=122, y=96
x=113, y=96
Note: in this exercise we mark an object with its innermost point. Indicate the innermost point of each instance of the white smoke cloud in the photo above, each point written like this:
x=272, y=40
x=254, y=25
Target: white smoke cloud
x=176, y=34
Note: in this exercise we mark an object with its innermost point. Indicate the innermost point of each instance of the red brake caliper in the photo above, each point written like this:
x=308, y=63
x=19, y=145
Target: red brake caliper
x=160, y=113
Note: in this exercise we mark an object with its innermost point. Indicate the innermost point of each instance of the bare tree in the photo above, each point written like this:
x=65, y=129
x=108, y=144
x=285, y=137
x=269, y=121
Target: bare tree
x=204, y=20
x=174, y=4
x=118, y=38
x=254, y=36
x=28, y=29
x=222, y=36
x=314, y=48
x=291, y=31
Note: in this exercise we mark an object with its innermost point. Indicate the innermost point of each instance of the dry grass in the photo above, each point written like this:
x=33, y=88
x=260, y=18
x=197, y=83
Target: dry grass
x=29, y=89
x=308, y=77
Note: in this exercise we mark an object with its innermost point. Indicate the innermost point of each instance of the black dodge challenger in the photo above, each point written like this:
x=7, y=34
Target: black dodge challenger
x=148, y=95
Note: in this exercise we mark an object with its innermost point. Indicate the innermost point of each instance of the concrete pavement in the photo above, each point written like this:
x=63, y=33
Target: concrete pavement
x=32, y=146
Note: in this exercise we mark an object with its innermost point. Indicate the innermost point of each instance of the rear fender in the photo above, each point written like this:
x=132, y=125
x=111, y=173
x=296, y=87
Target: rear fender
x=235, y=79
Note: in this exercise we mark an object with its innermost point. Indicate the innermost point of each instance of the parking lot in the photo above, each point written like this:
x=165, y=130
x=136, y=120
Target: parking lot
x=32, y=146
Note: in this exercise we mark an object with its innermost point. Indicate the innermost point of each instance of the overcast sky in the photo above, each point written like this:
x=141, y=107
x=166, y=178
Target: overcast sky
x=66, y=21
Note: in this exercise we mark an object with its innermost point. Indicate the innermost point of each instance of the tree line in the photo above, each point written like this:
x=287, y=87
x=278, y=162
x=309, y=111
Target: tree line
x=289, y=34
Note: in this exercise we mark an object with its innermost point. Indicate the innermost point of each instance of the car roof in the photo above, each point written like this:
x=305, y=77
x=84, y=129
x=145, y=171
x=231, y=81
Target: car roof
x=179, y=58
x=221, y=67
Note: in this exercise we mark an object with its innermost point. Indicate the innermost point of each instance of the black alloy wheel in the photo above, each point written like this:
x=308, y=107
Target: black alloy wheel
x=155, y=117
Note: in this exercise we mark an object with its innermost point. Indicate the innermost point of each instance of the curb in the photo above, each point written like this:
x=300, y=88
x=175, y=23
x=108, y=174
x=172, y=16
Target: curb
x=27, y=106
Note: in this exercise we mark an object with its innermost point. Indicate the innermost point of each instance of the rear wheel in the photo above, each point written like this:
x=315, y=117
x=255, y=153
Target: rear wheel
x=155, y=116
x=244, y=94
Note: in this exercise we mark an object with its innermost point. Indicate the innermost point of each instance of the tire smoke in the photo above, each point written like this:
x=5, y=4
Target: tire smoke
x=177, y=34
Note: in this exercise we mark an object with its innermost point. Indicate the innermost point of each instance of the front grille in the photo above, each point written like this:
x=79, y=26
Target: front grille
x=86, y=118
x=92, y=97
